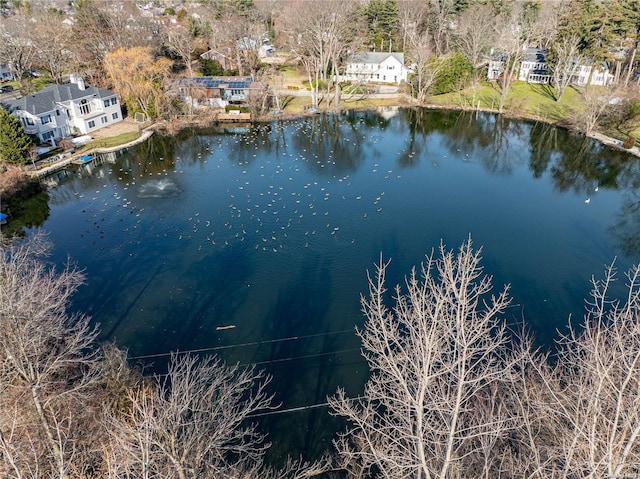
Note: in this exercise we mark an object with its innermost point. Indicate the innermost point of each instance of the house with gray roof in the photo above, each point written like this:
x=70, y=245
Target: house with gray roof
x=533, y=66
x=534, y=69
x=377, y=67
x=218, y=92
x=58, y=111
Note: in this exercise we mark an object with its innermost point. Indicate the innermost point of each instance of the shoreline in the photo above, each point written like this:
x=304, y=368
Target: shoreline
x=175, y=127
x=63, y=163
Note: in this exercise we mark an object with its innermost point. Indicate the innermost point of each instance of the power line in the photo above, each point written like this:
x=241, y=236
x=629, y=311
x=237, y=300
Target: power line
x=252, y=343
x=302, y=357
x=296, y=409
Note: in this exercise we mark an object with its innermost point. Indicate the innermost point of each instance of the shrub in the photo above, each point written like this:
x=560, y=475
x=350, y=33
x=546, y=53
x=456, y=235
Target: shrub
x=629, y=142
x=455, y=71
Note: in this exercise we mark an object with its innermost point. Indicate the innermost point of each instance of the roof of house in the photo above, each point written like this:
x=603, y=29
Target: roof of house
x=533, y=54
x=46, y=99
x=377, y=57
x=220, y=82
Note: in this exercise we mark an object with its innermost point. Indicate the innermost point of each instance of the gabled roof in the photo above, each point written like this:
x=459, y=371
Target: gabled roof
x=46, y=99
x=377, y=57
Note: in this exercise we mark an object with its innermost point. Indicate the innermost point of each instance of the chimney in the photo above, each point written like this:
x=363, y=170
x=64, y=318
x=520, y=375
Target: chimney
x=75, y=79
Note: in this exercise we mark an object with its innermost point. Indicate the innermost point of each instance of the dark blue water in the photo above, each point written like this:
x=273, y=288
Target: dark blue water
x=255, y=245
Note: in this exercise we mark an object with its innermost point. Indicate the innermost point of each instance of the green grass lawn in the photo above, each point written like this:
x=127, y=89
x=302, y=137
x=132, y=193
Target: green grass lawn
x=524, y=99
x=112, y=141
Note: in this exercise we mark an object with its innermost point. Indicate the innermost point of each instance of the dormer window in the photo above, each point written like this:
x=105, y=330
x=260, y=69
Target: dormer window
x=45, y=119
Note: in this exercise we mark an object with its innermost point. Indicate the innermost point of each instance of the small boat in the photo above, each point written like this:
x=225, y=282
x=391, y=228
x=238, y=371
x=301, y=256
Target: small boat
x=83, y=160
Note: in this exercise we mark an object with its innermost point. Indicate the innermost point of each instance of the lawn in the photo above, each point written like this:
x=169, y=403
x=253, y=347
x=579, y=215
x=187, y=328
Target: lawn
x=524, y=99
x=111, y=141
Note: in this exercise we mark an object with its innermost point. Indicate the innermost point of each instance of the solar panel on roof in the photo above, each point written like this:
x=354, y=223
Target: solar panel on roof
x=209, y=82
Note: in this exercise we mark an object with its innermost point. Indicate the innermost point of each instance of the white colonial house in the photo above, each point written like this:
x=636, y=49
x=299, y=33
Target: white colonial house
x=58, y=111
x=600, y=76
x=377, y=67
x=533, y=69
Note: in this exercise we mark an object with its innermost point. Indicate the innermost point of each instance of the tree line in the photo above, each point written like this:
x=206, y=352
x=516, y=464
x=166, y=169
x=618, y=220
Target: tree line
x=453, y=392
x=447, y=42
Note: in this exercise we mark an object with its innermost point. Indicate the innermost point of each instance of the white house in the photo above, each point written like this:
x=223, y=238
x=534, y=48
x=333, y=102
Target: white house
x=58, y=111
x=533, y=69
x=496, y=65
x=533, y=66
x=6, y=73
x=600, y=76
x=377, y=67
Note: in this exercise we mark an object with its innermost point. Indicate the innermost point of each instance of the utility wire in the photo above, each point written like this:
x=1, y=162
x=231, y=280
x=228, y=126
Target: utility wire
x=296, y=409
x=252, y=343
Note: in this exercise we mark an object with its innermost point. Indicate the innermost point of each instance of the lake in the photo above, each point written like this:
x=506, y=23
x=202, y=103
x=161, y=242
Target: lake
x=254, y=243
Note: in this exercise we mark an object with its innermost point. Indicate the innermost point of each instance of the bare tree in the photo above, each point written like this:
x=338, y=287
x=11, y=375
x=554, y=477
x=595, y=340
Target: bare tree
x=193, y=422
x=584, y=410
x=551, y=14
x=475, y=33
x=599, y=106
x=53, y=40
x=565, y=62
x=183, y=43
x=424, y=64
x=46, y=355
x=438, y=360
x=516, y=30
x=320, y=34
x=17, y=48
x=412, y=17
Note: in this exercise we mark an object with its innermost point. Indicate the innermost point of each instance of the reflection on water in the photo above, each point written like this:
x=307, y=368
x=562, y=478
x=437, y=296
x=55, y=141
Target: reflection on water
x=271, y=231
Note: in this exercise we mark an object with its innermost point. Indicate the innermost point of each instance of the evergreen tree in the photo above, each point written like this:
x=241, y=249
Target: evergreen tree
x=383, y=19
x=14, y=143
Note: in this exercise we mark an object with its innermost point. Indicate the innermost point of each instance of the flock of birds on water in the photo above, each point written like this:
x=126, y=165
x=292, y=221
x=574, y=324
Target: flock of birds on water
x=265, y=201
x=263, y=193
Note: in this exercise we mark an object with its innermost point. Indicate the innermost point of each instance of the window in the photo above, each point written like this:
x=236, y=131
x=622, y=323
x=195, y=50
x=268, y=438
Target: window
x=114, y=116
x=47, y=135
x=114, y=100
x=57, y=112
x=45, y=119
x=92, y=124
x=28, y=121
x=85, y=107
x=104, y=120
x=107, y=103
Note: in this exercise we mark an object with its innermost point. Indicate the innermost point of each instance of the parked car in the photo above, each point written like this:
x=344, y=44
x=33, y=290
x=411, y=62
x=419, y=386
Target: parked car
x=6, y=88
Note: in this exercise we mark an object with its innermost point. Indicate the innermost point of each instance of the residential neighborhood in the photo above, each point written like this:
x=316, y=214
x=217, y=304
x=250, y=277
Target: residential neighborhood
x=256, y=55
